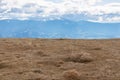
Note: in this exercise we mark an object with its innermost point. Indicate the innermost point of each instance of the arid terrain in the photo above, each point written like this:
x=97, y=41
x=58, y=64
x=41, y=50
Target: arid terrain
x=59, y=59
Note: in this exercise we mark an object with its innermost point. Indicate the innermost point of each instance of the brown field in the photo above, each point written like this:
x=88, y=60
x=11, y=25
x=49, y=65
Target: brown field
x=59, y=59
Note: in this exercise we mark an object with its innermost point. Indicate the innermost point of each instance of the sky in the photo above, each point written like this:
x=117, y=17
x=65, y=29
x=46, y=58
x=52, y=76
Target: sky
x=87, y=19
x=103, y=11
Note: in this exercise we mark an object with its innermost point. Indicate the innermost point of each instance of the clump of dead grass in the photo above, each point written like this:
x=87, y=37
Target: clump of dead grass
x=41, y=77
x=82, y=57
x=40, y=53
x=71, y=75
x=2, y=65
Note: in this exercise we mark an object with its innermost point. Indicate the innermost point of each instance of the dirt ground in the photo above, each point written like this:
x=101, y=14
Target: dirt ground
x=59, y=59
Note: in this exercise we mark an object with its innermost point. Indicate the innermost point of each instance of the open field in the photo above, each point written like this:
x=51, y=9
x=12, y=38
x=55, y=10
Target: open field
x=59, y=59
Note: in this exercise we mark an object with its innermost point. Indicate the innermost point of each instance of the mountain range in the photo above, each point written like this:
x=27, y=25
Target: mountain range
x=58, y=29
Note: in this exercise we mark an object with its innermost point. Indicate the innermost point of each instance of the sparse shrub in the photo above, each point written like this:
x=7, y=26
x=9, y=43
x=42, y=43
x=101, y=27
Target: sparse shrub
x=2, y=53
x=36, y=71
x=61, y=38
x=97, y=48
x=41, y=77
x=79, y=57
x=3, y=65
x=86, y=57
x=40, y=53
x=71, y=75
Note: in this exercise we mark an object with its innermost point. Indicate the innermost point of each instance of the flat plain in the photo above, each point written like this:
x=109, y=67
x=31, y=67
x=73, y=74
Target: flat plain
x=59, y=59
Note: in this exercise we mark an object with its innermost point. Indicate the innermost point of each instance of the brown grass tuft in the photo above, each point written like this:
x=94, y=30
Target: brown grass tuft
x=71, y=75
x=40, y=53
x=82, y=57
x=97, y=48
x=4, y=64
x=41, y=77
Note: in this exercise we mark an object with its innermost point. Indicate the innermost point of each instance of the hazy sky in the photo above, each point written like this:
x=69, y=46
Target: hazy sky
x=60, y=18
x=106, y=1
x=88, y=10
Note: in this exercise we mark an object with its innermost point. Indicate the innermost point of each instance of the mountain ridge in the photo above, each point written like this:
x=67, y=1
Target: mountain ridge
x=64, y=28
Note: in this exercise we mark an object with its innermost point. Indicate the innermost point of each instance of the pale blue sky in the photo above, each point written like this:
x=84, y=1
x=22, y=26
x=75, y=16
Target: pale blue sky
x=110, y=1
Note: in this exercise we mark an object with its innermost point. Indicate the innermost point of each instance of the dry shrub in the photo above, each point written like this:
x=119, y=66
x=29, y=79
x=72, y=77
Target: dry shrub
x=61, y=39
x=71, y=75
x=40, y=53
x=97, y=48
x=4, y=65
x=37, y=71
x=41, y=77
x=37, y=79
x=82, y=57
x=2, y=53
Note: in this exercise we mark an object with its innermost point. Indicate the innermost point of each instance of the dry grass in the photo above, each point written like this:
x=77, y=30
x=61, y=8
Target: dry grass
x=71, y=75
x=82, y=57
x=40, y=53
x=47, y=59
x=2, y=65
